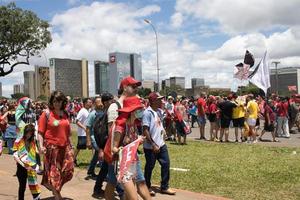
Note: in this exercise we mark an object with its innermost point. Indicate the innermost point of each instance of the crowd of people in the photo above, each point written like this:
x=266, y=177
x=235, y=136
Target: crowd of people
x=38, y=135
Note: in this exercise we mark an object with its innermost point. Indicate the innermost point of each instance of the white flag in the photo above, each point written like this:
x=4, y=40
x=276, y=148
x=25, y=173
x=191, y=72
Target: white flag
x=261, y=75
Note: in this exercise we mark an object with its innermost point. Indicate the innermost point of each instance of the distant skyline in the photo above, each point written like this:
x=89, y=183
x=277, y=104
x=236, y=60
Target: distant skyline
x=197, y=38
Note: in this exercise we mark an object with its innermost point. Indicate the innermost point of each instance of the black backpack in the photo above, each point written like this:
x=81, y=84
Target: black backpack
x=100, y=128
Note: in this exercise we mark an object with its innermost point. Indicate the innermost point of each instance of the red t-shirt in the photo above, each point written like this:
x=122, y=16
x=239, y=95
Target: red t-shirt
x=201, y=102
x=212, y=108
x=269, y=110
x=282, y=109
x=3, y=124
x=56, y=130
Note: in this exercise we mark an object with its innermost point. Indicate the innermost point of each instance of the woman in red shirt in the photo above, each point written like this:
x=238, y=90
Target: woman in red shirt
x=54, y=132
x=212, y=117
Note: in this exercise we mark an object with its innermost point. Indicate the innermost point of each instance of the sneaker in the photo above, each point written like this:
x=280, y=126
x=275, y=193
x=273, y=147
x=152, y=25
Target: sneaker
x=152, y=193
x=236, y=141
x=202, y=138
x=98, y=193
x=92, y=176
x=168, y=191
x=255, y=141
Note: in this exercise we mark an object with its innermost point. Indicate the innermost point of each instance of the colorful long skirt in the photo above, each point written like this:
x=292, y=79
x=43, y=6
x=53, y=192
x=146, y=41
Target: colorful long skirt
x=58, y=166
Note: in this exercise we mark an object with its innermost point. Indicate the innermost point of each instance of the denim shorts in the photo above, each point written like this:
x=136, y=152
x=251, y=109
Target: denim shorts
x=112, y=178
x=202, y=120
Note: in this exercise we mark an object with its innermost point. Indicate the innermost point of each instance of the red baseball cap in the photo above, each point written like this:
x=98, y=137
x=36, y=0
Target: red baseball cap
x=153, y=96
x=129, y=81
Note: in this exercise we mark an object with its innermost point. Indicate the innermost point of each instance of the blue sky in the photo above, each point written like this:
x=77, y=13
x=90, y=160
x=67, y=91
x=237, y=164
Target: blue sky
x=197, y=38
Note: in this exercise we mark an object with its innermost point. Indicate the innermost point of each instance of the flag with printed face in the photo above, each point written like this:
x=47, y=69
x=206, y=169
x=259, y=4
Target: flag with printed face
x=241, y=70
x=128, y=161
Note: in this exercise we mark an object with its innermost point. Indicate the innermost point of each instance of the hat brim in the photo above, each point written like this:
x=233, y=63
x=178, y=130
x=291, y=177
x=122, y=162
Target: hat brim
x=157, y=98
x=130, y=109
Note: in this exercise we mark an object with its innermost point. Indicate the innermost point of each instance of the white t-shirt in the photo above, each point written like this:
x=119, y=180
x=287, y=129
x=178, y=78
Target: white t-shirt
x=112, y=112
x=156, y=129
x=82, y=118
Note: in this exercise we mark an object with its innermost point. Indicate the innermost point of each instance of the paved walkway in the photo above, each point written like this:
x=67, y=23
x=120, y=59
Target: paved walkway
x=77, y=189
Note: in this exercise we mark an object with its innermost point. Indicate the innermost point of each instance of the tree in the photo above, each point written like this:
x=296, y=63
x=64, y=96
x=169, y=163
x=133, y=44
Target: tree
x=22, y=35
x=42, y=98
x=250, y=89
x=144, y=92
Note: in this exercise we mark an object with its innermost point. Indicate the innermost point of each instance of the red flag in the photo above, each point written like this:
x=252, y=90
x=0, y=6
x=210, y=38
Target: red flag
x=128, y=160
x=292, y=88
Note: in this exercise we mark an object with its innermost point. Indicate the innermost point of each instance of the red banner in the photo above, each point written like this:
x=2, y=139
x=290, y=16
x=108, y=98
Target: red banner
x=292, y=88
x=128, y=160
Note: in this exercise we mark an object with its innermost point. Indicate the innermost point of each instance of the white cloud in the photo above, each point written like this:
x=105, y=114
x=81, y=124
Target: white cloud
x=92, y=31
x=176, y=20
x=242, y=16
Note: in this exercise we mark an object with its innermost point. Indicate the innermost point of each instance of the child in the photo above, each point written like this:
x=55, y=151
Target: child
x=25, y=155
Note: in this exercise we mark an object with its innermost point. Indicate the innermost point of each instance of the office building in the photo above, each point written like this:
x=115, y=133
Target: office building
x=197, y=82
x=29, y=84
x=18, y=88
x=69, y=76
x=101, y=77
x=165, y=83
x=42, y=82
x=149, y=84
x=177, y=81
x=288, y=76
x=122, y=65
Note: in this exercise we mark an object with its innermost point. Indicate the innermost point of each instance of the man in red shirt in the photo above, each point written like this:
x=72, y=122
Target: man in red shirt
x=201, y=104
x=282, y=121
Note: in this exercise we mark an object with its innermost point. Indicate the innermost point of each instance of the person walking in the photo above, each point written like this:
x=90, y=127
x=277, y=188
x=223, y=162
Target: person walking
x=201, y=104
x=54, y=142
x=155, y=148
x=270, y=117
x=125, y=132
x=99, y=115
x=128, y=88
x=282, y=120
x=81, y=129
x=25, y=152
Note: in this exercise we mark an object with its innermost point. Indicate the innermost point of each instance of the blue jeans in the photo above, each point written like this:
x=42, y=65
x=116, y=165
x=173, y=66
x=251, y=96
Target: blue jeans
x=163, y=158
x=101, y=176
x=112, y=178
x=93, y=163
x=10, y=144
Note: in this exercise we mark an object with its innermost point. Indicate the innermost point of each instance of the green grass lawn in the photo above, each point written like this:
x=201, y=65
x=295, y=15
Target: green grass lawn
x=237, y=171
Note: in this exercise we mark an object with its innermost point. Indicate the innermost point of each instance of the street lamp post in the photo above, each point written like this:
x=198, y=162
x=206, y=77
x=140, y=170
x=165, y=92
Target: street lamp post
x=157, y=63
x=276, y=75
